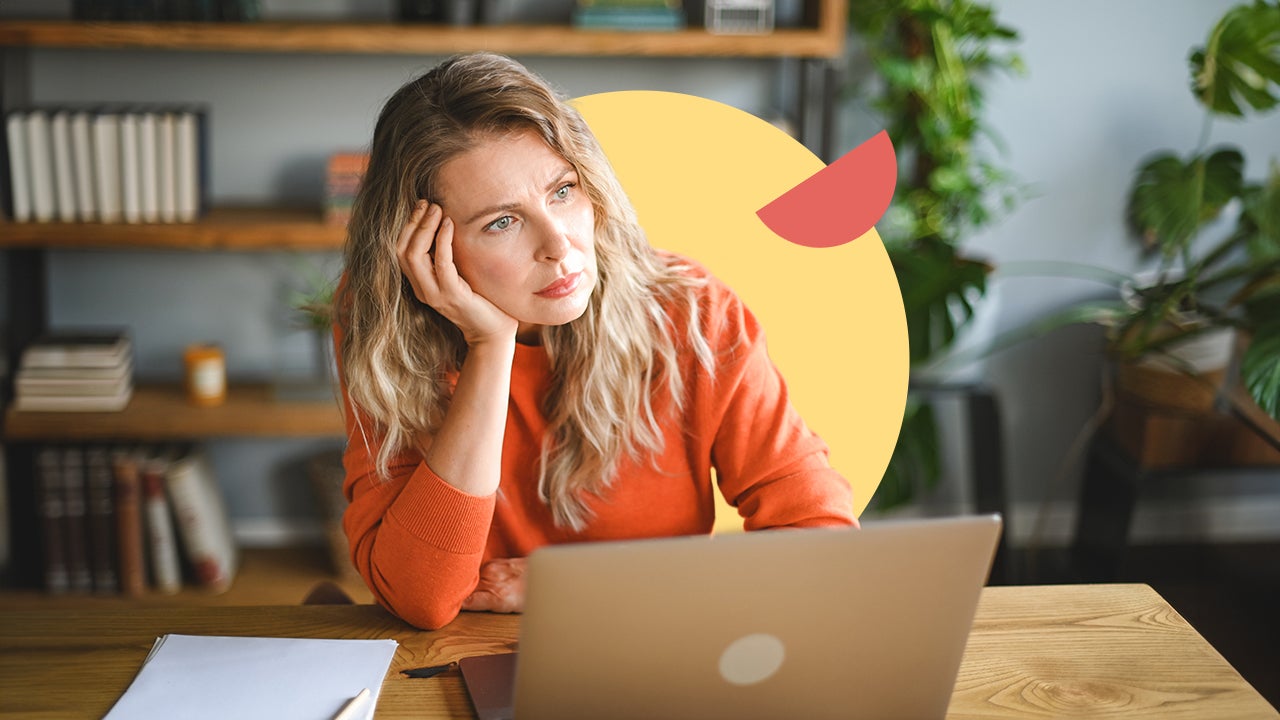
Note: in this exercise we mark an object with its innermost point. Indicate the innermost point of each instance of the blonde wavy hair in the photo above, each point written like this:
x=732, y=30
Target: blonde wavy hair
x=612, y=369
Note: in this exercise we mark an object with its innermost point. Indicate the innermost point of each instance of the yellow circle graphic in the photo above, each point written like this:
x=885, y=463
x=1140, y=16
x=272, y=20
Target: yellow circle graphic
x=697, y=171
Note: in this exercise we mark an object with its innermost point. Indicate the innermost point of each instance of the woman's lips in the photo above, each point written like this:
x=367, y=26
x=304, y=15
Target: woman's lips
x=561, y=287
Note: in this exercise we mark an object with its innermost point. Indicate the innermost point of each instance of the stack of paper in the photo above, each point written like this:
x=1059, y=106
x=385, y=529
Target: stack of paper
x=196, y=676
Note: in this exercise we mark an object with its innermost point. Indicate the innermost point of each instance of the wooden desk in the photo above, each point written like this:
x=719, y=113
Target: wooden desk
x=1084, y=650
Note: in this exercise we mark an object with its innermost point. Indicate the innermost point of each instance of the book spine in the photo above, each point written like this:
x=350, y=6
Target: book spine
x=79, y=575
x=188, y=174
x=40, y=156
x=166, y=570
x=82, y=161
x=106, y=147
x=148, y=166
x=64, y=178
x=202, y=520
x=19, y=166
x=129, y=546
x=167, y=167
x=130, y=170
x=102, y=535
x=52, y=519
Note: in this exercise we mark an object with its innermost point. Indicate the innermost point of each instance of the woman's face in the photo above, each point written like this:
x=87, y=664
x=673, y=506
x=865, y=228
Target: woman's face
x=525, y=229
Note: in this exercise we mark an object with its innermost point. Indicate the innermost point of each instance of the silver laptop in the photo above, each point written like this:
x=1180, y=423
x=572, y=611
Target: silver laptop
x=779, y=624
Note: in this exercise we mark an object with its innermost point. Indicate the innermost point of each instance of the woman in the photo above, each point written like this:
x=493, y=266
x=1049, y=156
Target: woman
x=521, y=368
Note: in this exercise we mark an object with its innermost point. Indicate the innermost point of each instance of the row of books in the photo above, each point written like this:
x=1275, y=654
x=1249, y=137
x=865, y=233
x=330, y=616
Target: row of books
x=75, y=370
x=342, y=181
x=134, y=164
x=639, y=15
x=130, y=520
x=176, y=10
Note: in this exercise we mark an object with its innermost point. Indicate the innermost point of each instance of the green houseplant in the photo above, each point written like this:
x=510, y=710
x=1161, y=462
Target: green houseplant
x=1204, y=284
x=930, y=58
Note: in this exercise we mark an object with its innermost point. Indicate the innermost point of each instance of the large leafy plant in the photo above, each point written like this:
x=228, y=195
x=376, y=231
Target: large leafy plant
x=1235, y=282
x=930, y=58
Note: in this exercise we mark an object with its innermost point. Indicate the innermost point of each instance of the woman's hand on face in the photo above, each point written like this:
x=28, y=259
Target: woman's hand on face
x=501, y=587
x=425, y=252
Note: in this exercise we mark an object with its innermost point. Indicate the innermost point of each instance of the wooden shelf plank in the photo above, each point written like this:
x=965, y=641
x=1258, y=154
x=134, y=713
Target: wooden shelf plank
x=161, y=412
x=220, y=229
x=266, y=576
x=424, y=39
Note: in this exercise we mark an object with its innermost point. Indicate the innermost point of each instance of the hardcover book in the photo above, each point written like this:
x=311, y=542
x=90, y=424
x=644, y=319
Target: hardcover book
x=131, y=553
x=80, y=578
x=202, y=520
x=15, y=125
x=52, y=510
x=72, y=348
x=63, y=176
x=100, y=495
x=162, y=540
x=82, y=157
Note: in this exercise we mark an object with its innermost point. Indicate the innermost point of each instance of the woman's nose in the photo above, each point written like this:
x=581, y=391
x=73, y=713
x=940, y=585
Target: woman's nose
x=553, y=240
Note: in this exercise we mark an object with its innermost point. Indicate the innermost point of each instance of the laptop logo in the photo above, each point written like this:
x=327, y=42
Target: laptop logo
x=752, y=659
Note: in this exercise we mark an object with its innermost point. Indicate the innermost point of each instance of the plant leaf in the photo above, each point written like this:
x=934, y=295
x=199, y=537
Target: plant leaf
x=915, y=463
x=1260, y=367
x=1259, y=224
x=1170, y=199
x=936, y=285
x=1240, y=64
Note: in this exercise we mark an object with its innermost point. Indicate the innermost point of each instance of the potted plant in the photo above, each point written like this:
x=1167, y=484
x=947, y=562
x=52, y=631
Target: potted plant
x=930, y=58
x=1172, y=332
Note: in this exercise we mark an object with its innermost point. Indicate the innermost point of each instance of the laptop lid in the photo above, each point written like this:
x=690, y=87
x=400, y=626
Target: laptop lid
x=824, y=623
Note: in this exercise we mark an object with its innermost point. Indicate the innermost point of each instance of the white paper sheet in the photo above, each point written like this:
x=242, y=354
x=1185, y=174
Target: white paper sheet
x=200, y=676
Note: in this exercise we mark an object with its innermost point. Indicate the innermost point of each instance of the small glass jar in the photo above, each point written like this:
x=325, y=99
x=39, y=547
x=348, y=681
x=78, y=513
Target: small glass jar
x=206, y=374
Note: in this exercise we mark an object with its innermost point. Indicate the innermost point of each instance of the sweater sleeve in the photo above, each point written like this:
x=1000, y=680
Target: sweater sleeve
x=415, y=539
x=769, y=464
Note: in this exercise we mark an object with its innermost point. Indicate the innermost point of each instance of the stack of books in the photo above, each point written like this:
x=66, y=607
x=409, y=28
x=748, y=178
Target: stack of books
x=131, y=520
x=639, y=15
x=76, y=371
x=346, y=170
x=129, y=164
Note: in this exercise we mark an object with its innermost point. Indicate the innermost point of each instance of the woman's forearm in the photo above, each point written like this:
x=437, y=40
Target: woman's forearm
x=466, y=451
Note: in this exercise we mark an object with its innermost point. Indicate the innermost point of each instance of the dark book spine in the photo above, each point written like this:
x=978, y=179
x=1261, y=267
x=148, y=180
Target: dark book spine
x=102, y=518
x=76, y=522
x=129, y=547
x=52, y=518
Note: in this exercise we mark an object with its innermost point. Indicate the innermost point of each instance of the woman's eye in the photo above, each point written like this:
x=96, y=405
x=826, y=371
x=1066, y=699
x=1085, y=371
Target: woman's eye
x=501, y=223
x=563, y=192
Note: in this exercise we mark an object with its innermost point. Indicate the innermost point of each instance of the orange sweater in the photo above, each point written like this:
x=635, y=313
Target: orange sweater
x=419, y=542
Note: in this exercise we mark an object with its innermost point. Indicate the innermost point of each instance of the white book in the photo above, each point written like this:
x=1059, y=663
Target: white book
x=63, y=177
x=166, y=568
x=42, y=387
x=130, y=172
x=76, y=348
x=19, y=168
x=40, y=156
x=148, y=169
x=167, y=162
x=106, y=166
x=74, y=403
x=203, y=523
x=82, y=156
x=188, y=170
